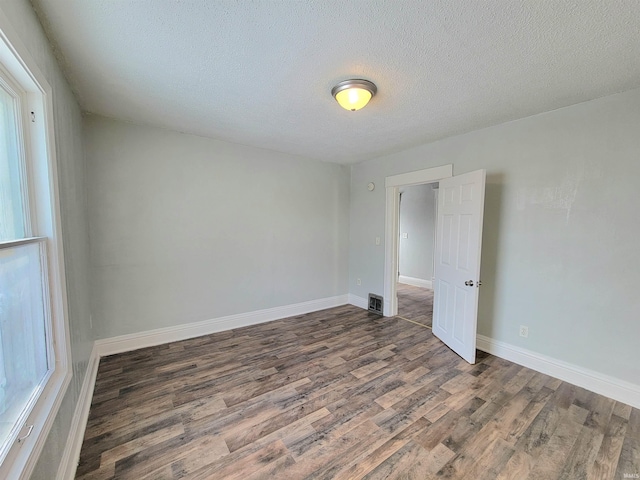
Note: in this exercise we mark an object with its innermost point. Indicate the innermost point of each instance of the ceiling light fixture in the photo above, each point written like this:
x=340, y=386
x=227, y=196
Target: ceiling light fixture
x=354, y=94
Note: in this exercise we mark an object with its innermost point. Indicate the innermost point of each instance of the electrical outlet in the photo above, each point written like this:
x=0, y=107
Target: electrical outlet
x=377, y=240
x=358, y=281
x=524, y=331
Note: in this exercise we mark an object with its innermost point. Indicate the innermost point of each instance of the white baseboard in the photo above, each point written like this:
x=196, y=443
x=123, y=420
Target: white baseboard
x=608, y=386
x=150, y=338
x=71, y=454
x=416, y=282
x=359, y=302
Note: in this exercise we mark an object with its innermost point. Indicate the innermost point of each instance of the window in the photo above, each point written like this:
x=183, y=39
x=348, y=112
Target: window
x=34, y=352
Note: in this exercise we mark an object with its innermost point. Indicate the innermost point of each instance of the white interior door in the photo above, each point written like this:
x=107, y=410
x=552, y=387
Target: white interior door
x=457, y=266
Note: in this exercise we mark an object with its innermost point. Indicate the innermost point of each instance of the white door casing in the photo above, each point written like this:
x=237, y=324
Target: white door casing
x=393, y=184
x=457, y=266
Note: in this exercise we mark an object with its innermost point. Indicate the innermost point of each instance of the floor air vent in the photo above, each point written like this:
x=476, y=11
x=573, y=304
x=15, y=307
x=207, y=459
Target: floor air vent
x=375, y=304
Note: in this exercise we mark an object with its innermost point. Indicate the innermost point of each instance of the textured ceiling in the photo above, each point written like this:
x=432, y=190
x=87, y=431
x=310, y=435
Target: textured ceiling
x=260, y=72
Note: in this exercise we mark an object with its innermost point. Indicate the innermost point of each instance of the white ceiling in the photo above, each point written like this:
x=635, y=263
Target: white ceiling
x=260, y=72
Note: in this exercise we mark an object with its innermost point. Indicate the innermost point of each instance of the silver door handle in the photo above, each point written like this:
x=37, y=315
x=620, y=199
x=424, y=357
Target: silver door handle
x=469, y=283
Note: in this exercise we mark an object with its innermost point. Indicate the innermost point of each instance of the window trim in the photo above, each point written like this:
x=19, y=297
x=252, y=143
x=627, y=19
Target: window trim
x=45, y=207
x=15, y=90
x=21, y=241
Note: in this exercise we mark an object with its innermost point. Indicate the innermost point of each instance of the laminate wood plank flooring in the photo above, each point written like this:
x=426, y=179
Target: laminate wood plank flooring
x=415, y=304
x=345, y=394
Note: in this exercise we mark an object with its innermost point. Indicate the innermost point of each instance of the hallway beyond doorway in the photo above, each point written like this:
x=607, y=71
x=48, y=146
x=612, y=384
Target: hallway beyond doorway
x=415, y=304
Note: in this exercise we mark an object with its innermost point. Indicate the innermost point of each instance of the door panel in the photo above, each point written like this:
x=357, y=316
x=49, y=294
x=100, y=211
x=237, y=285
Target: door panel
x=465, y=243
x=457, y=269
x=447, y=232
x=441, y=293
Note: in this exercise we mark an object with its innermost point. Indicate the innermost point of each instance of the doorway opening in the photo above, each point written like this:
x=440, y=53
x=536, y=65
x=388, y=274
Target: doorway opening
x=458, y=246
x=416, y=250
x=394, y=185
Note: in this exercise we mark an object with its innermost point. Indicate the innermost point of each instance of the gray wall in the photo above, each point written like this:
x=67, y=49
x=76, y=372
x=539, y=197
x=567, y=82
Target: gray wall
x=68, y=128
x=561, y=229
x=186, y=228
x=417, y=220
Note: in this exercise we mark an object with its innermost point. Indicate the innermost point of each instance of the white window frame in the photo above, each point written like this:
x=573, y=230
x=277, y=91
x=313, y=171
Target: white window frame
x=45, y=222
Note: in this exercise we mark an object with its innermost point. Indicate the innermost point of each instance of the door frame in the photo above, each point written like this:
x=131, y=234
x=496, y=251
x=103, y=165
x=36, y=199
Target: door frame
x=391, y=226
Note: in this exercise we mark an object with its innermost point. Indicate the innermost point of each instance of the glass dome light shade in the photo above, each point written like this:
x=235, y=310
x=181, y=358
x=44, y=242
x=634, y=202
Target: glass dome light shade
x=353, y=94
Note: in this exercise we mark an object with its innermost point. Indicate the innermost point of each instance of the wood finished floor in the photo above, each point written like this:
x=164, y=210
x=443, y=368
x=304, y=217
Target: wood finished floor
x=415, y=303
x=344, y=394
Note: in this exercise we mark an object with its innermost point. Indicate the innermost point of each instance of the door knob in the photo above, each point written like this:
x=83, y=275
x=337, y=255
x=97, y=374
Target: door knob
x=469, y=283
